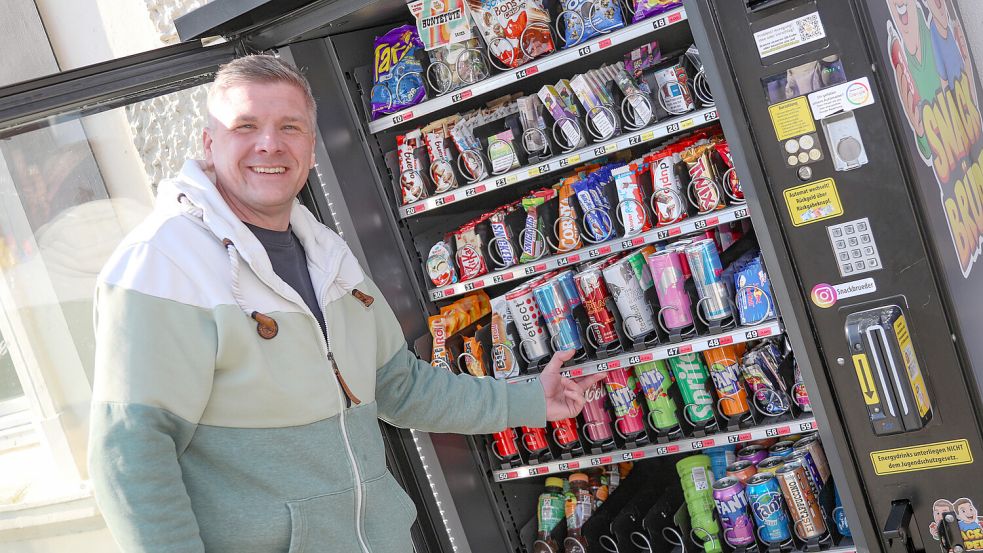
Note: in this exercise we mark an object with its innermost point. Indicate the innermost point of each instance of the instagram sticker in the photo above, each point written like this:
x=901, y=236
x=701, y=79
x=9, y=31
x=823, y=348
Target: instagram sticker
x=823, y=295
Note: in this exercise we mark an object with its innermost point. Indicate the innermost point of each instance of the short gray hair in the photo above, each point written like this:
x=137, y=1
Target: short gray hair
x=262, y=68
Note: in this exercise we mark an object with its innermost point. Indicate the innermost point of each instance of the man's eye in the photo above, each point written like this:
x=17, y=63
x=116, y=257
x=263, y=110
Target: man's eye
x=246, y=126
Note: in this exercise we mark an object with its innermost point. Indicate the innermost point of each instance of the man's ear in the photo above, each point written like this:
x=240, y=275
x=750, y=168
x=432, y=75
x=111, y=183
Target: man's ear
x=206, y=142
x=313, y=159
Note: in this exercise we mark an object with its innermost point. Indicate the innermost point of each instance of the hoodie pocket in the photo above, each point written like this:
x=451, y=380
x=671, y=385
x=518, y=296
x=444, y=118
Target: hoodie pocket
x=389, y=513
x=323, y=523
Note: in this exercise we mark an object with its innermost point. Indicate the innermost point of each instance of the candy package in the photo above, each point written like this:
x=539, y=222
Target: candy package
x=567, y=232
x=440, y=266
x=704, y=187
x=410, y=180
x=438, y=330
x=565, y=120
x=515, y=31
x=398, y=75
x=502, y=152
x=667, y=184
x=441, y=168
x=644, y=57
x=465, y=311
x=503, y=353
x=583, y=20
x=534, y=231
x=631, y=209
x=673, y=89
x=502, y=238
x=470, y=255
x=473, y=356
x=595, y=206
x=643, y=9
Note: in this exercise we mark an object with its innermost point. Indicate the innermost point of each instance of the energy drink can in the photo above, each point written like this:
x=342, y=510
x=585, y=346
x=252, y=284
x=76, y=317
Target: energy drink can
x=534, y=440
x=628, y=419
x=765, y=499
x=781, y=449
x=504, y=446
x=638, y=264
x=742, y=470
x=818, y=455
x=565, y=278
x=807, y=518
x=691, y=377
x=597, y=420
x=799, y=392
x=724, y=370
x=552, y=303
x=629, y=298
x=704, y=263
x=533, y=341
x=594, y=294
x=839, y=516
x=753, y=453
x=771, y=464
x=565, y=433
x=655, y=381
x=666, y=268
x=732, y=507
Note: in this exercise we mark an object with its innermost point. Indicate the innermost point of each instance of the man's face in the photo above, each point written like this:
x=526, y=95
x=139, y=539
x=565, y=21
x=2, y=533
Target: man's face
x=966, y=513
x=905, y=15
x=260, y=142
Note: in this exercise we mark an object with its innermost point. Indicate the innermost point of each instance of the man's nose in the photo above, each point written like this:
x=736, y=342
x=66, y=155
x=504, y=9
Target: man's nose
x=269, y=141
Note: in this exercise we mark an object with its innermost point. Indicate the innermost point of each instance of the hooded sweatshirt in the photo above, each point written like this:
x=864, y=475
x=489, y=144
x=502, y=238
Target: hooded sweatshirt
x=219, y=419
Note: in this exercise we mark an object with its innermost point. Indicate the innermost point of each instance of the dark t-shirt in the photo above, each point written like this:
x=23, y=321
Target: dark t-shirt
x=290, y=263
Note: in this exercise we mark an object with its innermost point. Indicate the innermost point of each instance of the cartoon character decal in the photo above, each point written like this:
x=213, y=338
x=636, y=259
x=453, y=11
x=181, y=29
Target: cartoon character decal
x=967, y=518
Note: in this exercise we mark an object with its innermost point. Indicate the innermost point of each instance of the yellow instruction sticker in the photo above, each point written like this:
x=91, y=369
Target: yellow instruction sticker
x=866, y=379
x=813, y=202
x=921, y=457
x=792, y=118
x=911, y=364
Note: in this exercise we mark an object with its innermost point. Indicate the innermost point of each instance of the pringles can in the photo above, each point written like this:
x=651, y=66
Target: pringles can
x=594, y=294
x=504, y=446
x=629, y=298
x=597, y=420
x=629, y=421
x=765, y=499
x=807, y=518
x=552, y=302
x=704, y=263
x=533, y=339
x=666, y=268
x=732, y=506
x=691, y=377
x=726, y=375
x=655, y=381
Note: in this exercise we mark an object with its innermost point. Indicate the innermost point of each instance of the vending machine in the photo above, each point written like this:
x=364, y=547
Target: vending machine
x=759, y=219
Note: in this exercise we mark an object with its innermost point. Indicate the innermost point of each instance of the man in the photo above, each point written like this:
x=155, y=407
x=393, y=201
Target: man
x=243, y=358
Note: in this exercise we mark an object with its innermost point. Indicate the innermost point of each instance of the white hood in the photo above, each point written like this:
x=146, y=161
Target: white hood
x=329, y=259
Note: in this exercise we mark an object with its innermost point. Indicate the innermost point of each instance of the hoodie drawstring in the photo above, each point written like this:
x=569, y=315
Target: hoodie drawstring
x=265, y=325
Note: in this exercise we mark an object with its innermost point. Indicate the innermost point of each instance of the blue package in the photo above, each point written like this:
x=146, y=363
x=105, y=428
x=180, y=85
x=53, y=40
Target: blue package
x=593, y=17
x=755, y=302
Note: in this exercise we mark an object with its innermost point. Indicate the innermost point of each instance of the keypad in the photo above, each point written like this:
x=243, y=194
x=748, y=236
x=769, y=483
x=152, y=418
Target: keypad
x=853, y=247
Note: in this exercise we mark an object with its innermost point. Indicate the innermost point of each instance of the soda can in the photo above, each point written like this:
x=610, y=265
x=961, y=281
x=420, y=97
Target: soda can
x=771, y=464
x=680, y=246
x=594, y=294
x=691, y=377
x=629, y=298
x=742, y=470
x=815, y=449
x=655, y=381
x=666, y=268
x=552, y=303
x=534, y=440
x=781, y=449
x=565, y=433
x=753, y=453
x=504, y=446
x=533, y=339
x=720, y=457
x=807, y=518
x=704, y=262
x=732, y=397
x=765, y=499
x=629, y=421
x=763, y=442
x=565, y=279
x=732, y=506
x=802, y=457
x=597, y=420
x=839, y=516
x=641, y=268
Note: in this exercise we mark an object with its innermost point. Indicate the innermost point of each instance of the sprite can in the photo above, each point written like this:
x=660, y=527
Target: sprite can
x=691, y=377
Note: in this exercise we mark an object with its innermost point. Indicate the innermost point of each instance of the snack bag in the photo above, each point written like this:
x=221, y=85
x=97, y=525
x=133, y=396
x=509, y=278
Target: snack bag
x=440, y=266
x=473, y=356
x=398, y=75
x=470, y=252
x=465, y=311
x=438, y=329
x=410, y=180
x=515, y=31
x=583, y=20
x=644, y=9
x=568, y=233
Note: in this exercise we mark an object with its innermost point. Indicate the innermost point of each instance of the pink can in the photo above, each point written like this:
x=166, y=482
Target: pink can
x=597, y=420
x=629, y=420
x=670, y=285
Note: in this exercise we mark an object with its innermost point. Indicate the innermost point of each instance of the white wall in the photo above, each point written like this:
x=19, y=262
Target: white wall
x=972, y=16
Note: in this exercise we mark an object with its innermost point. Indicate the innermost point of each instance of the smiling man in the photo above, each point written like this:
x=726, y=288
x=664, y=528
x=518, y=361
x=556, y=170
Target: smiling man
x=243, y=358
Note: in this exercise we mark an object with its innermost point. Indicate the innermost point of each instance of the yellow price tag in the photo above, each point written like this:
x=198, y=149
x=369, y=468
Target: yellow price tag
x=512, y=179
x=687, y=124
x=573, y=159
x=613, y=147
x=648, y=136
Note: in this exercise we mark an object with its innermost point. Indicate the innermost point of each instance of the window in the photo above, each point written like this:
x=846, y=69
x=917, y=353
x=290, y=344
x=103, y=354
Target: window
x=69, y=192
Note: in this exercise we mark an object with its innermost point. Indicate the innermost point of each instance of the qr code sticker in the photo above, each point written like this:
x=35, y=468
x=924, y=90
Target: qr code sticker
x=810, y=27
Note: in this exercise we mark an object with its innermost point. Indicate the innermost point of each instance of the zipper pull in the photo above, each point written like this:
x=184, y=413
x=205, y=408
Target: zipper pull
x=341, y=380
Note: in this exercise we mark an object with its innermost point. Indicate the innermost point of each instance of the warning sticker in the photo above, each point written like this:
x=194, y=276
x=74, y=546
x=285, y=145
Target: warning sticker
x=814, y=201
x=790, y=34
x=921, y=457
x=792, y=118
x=842, y=97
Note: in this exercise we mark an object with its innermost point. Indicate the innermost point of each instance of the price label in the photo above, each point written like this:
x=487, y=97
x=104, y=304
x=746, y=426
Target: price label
x=764, y=332
x=713, y=221
x=632, y=455
x=648, y=135
x=541, y=267
x=676, y=17
x=523, y=73
x=574, y=159
x=574, y=258
x=807, y=426
x=686, y=349
x=533, y=471
x=712, y=116
x=741, y=213
x=400, y=117
x=464, y=95
x=449, y=292
x=637, y=359
x=784, y=430
x=480, y=189
x=614, y=364
x=576, y=372
x=687, y=123
x=604, y=43
x=672, y=127
x=604, y=250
